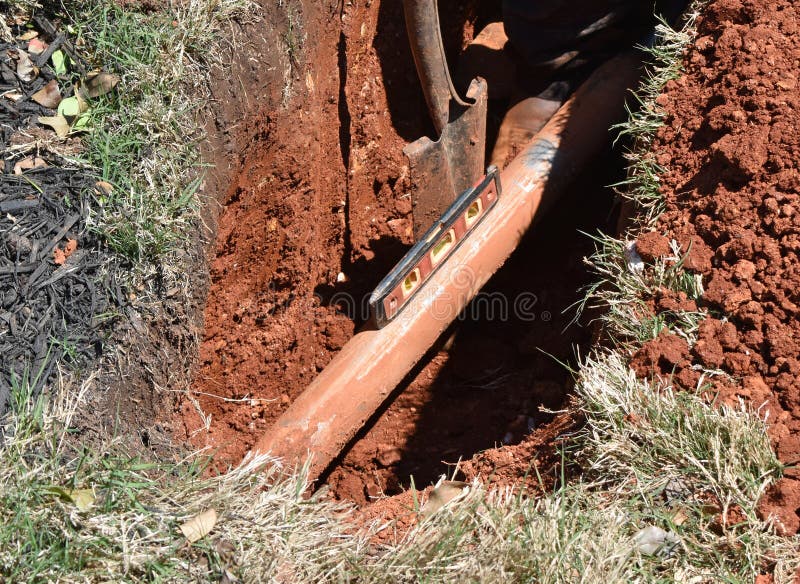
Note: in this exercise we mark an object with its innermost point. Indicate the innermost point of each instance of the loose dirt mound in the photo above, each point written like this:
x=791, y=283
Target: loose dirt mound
x=731, y=147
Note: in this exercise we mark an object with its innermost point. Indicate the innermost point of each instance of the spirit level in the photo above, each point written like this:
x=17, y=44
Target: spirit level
x=431, y=251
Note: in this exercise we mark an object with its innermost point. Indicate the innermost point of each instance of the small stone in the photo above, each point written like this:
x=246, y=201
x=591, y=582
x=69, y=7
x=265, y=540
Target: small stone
x=633, y=259
x=653, y=540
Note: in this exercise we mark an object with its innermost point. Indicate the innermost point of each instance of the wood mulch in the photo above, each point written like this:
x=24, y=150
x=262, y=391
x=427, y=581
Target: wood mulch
x=57, y=293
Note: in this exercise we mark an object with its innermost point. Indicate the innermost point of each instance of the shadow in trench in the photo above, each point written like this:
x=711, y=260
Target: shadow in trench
x=505, y=367
x=351, y=297
x=501, y=366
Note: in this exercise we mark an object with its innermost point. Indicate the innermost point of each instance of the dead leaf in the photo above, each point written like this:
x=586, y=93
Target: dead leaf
x=199, y=526
x=98, y=83
x=31, y=34
x=441, y=495
x=27, y=163
x=105, y=187
x=49, y=96
x=226, y=550
x=26, y=70
x=37, y=47
x=679, y=517
x=82, y=105
x=13, y=95
x=59, y=123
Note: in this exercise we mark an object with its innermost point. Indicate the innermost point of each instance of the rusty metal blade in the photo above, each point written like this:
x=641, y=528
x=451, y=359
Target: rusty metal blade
x=441, y=170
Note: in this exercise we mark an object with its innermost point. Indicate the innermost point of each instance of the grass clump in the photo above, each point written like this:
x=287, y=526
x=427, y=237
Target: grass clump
x=623, y=286
x=144, y=137
x=652, y=459
x=624, y=283
x=74, y=514
x=646, y=117
x=636, y=445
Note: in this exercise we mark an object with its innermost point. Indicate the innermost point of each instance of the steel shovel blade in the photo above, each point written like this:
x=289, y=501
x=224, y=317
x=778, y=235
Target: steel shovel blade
x=441, y=170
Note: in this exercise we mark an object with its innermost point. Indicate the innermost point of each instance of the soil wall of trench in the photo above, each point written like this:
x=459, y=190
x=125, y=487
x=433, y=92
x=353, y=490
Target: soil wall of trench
x=317, y=212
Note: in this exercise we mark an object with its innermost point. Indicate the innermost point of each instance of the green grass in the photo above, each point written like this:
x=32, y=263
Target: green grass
x=637, y=440
x=645, y=117
x=622, y=287
x=131, y=531
x=583, y=532
x=144, y=136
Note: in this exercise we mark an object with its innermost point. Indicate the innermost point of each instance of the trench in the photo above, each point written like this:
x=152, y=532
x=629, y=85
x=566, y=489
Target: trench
x=319, y=213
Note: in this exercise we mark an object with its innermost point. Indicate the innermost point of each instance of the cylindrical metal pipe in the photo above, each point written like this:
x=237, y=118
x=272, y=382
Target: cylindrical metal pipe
x=329, y=413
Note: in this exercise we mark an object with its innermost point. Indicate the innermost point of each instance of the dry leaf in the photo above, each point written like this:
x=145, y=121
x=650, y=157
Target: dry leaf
x=37, y=47
x=199, y=526
x=31, y=34
x=679, y=517
x=27, y=163
x=26, y=70
x=105, y=187
x=58, y=123
x=98, y=83
x=441, y=495
x=49, y=96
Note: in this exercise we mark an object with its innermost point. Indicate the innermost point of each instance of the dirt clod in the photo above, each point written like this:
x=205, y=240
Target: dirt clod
x=652, y=245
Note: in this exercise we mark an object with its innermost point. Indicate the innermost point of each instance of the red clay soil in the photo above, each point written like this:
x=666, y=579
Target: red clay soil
x=731, y=150
x=319, y=194
x=320, y=208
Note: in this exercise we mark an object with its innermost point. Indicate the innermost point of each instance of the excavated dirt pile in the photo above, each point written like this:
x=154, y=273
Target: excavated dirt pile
x=731, y=150
x=318, y=214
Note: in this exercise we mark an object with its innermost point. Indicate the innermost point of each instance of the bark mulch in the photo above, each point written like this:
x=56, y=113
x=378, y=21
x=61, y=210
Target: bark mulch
x=56, y=291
